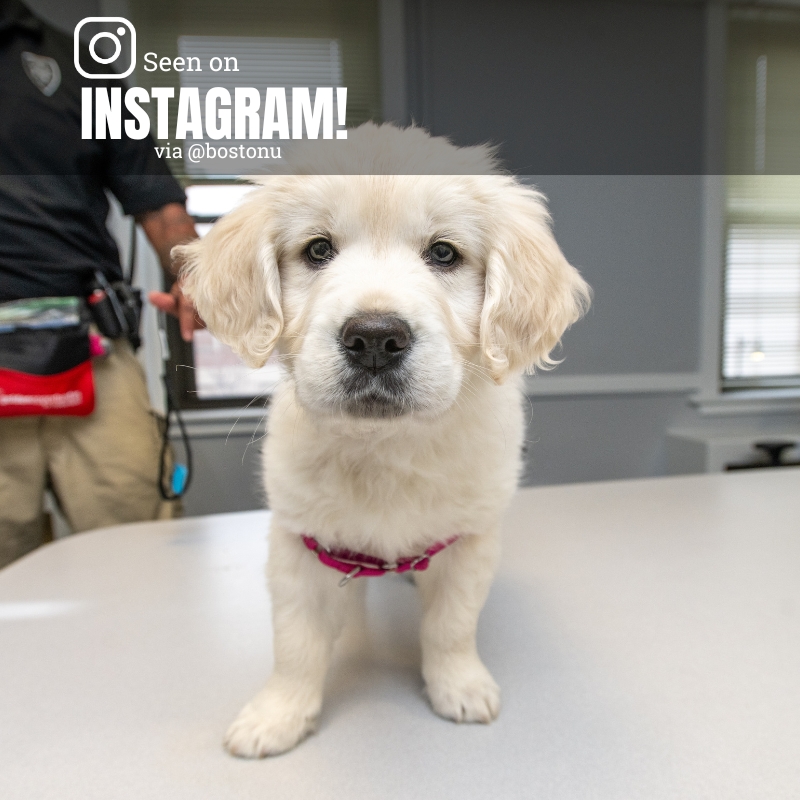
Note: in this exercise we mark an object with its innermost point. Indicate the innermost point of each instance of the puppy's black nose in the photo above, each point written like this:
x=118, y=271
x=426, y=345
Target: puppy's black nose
x=375, y=341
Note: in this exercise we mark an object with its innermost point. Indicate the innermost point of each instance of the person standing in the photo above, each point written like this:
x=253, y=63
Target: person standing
x=102, y=468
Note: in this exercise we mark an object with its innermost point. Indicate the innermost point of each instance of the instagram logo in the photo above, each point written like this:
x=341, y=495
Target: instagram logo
x=112, y=47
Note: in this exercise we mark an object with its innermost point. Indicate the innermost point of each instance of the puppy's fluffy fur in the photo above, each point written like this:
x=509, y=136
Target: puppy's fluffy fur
x=379, y=465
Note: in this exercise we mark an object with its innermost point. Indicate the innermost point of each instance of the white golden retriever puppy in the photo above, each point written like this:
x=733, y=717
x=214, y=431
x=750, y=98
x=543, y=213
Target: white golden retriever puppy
x=405, y=308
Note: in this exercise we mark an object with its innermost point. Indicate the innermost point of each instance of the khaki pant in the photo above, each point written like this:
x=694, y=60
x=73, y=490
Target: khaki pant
x=102, y=468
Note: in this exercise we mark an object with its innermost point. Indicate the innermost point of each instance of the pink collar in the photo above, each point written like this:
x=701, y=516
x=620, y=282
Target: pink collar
x=359, y=565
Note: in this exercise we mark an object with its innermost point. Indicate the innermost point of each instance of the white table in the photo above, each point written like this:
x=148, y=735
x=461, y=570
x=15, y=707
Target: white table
x=646, y=635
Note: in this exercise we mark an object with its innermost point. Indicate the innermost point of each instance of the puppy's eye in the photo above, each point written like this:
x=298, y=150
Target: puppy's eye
x=319, y=251
x=442, y=254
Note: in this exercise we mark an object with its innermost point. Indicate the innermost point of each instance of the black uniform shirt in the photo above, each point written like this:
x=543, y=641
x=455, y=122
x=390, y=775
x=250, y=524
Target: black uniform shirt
x=53, y=205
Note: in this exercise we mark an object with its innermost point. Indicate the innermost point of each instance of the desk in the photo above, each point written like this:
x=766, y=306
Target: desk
x=646, y=635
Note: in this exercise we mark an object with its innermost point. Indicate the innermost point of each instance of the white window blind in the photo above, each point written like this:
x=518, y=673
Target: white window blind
x=262, y=62
x=762, y=302
x=761, y=330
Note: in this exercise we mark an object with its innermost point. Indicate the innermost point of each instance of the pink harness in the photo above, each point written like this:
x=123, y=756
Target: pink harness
x=359, y=565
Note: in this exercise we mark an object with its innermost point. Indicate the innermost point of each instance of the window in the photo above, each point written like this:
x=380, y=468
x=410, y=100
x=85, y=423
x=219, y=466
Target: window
x=275, y=43
x=208, y=373
x=218, y=372
x=762, y=282
x=761, y=337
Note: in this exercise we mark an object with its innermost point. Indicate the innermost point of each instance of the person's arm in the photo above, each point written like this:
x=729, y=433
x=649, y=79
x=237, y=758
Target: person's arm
x=168, y=226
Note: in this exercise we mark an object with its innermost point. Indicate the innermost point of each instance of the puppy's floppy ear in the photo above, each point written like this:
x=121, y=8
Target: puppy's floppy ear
x=232, y=278
x=532, y=294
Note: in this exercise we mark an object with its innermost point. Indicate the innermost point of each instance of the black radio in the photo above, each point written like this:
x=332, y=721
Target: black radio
x=116, y=309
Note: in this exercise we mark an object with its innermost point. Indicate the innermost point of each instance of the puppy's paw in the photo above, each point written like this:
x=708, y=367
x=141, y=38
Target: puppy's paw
x=269, y=725
x=464, y=692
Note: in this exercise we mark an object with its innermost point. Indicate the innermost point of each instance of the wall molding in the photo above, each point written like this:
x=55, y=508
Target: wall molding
x=221, y=423
x=237, y=422
x=750, y=401
x=625, y=383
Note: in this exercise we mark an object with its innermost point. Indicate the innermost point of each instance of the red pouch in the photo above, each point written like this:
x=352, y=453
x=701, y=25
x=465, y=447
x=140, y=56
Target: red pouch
x=46, y=370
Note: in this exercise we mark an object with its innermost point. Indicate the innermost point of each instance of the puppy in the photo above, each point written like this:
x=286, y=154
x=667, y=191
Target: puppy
x=405, y=308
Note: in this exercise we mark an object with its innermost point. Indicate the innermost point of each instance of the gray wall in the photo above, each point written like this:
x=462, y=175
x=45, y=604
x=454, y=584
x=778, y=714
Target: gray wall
x=605, y=101
x=637, y=239
x=602, y=106
x=590, y=438
x=226, y=474
x=566, y=86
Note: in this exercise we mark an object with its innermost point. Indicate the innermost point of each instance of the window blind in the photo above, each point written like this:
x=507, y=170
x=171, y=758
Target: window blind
x=762, y=303
x=261, y=62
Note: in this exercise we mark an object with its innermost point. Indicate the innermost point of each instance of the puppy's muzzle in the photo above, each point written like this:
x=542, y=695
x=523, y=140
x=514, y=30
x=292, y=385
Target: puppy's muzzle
x=375, y=342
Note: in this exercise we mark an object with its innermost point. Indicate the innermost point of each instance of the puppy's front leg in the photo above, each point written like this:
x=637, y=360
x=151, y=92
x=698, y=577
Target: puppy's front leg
x=454, y=589
x=308, y=610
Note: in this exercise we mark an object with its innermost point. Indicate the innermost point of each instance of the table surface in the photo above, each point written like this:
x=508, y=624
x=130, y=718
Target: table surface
x=646, y=635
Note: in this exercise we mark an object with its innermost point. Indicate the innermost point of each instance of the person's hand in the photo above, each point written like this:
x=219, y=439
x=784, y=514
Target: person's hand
x=178, y=305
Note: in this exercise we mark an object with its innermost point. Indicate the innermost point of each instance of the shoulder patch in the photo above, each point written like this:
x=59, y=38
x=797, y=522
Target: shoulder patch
x=43, y=71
